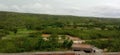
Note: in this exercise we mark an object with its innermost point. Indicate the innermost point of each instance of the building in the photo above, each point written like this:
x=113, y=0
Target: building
x=83, y=47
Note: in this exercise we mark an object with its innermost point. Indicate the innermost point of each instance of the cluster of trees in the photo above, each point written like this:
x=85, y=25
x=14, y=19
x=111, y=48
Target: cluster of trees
x=84, y=27
x=107, y=45
x=11, y=21
x=85, y=34
x=34, y=42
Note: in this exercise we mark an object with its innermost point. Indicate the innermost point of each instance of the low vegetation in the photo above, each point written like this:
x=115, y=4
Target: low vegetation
x=34, y=42
x=21, y=32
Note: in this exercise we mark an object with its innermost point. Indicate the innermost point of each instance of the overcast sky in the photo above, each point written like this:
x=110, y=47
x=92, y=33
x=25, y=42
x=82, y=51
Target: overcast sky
x=101, y=8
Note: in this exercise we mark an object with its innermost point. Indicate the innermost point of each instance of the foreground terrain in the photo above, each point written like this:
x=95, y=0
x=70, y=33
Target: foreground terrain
x=63, y=53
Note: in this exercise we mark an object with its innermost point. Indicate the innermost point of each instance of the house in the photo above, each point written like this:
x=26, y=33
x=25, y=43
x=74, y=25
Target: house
x=83, y=47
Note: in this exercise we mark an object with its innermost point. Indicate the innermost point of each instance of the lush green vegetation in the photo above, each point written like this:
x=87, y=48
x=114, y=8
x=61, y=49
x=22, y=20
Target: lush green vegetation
x=20, y=32
x=107, y=45
x=34, y=42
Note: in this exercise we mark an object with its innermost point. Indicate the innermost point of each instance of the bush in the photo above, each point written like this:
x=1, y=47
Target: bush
x=3, y=33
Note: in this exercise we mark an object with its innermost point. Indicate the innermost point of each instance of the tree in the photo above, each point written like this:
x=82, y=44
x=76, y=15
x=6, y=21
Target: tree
x=15, y=30
x=39, y=44
x=35, y=34
x=67, y=44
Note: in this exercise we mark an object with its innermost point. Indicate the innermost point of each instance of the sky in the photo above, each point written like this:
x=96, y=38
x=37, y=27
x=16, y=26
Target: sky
x=96, y=8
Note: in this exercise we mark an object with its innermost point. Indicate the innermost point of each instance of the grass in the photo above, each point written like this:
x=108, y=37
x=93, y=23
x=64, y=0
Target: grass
x=20, y=33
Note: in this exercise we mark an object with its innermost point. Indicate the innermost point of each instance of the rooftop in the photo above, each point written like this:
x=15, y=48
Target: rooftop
x=81, y=46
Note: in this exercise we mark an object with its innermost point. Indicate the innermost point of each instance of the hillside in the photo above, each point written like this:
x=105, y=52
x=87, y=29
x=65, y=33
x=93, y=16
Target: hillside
x=22, y=31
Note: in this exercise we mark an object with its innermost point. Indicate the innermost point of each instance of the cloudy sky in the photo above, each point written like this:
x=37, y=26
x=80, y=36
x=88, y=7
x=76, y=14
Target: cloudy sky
x=100, y=8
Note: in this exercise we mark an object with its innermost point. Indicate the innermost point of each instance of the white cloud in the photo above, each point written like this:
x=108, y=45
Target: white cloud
x=104, y=8
x=3, y=7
